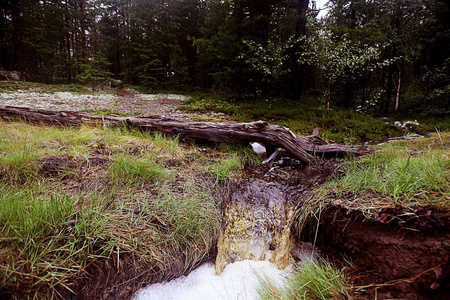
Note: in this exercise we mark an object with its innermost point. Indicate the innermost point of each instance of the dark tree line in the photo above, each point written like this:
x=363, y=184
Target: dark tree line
x=385, y=54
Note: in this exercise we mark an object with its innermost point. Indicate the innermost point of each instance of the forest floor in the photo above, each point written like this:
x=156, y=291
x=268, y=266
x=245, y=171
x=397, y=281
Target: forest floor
x=121, y=101
x=395, y=248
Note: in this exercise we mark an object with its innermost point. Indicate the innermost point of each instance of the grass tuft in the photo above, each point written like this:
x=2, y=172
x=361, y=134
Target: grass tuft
x=314, y=280
x=319, y=280
x=19, y=162
x=226, y=168
x=23, y=215
x=130, y=169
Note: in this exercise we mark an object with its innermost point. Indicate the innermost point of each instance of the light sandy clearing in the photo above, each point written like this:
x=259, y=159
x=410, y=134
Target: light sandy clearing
x=123, y=101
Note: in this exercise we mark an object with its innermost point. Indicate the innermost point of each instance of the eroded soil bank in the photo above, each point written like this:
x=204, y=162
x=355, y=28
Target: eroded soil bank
x=403, y=254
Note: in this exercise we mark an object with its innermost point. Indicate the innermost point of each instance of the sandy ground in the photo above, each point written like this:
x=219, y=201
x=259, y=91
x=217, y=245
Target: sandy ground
x=123, y=101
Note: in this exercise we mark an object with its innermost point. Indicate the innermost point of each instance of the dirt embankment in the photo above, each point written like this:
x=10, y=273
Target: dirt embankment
x=404, y=254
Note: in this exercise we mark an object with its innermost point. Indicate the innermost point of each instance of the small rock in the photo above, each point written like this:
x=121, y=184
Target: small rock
x=259, y=149
x=416, y=153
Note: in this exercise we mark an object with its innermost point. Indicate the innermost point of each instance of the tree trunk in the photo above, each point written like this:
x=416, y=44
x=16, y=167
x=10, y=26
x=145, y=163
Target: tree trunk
x=302, y=147
x=329, y=94
x=399, y=85
x=300, y=30
x=348, y=88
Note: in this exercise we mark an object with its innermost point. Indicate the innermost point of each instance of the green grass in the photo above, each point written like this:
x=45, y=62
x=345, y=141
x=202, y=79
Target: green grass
x=192, y=219
x=314, y=280
x=244, y=154
x=20, y=162
x=52, y=226
x=23, y=146
x=11, y=86
x=230, y=166
x=226, y=168
x=45, y=241
x=404, y=173
x=132, y=169
x=105, y=111
x=400, y=177
x=167, y=146
x=24, y=215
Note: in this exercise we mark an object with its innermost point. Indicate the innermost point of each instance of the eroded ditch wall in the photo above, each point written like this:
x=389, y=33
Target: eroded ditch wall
x=406, y=256
x=397, y=257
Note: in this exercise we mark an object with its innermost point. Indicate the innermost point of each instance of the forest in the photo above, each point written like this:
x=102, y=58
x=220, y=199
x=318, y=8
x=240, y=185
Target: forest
x=378, y=56
x=157, y=175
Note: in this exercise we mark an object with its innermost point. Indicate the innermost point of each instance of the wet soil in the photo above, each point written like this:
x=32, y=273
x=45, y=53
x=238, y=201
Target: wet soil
x=405, y=255
x=257, y=217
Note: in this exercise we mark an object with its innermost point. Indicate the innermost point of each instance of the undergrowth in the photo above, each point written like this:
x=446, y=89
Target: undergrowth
x=340, y=125
x=11, y=86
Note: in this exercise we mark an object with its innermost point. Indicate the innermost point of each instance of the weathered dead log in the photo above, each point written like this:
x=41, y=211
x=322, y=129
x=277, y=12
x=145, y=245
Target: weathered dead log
x=302, y=147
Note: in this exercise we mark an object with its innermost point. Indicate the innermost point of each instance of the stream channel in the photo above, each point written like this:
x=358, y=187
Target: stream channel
x=256, y=239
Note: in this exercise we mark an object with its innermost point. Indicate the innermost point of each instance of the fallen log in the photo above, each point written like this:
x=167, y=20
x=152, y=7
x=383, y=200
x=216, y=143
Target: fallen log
x=272, y=136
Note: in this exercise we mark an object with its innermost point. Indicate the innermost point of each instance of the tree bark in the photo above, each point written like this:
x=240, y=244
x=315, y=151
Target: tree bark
x=300, y=30
x=302, y=147
x=397, y=97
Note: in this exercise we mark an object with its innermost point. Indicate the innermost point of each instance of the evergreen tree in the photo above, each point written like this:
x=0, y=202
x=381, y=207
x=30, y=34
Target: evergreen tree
x=236, y=46
x=95, y=72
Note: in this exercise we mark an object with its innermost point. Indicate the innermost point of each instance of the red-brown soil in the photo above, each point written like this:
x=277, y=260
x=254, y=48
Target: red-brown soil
x=405, y=254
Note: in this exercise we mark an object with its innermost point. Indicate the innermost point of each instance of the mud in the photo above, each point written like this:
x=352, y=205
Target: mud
x=57, y=167
x=119, y=279
x=404, y=254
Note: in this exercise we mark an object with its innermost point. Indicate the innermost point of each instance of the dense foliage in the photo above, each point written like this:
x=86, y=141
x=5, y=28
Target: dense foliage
x=381, y=55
